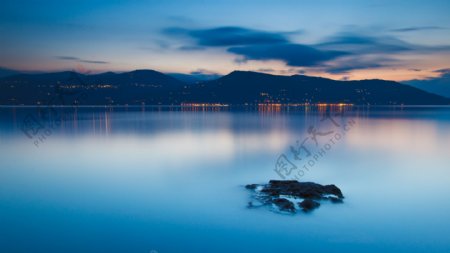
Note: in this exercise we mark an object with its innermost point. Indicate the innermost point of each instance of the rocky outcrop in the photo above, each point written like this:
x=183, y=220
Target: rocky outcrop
x=283, y=194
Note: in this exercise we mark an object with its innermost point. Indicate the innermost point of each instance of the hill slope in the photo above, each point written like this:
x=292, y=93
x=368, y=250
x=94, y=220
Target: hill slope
x=439, y=85
x=238, y=87
x=135, y=87
x=251, y=87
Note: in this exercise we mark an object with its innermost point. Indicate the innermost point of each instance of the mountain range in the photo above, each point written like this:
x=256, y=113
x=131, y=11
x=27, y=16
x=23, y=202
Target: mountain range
x=239, y=87
x=439, y=85
x=7, y=72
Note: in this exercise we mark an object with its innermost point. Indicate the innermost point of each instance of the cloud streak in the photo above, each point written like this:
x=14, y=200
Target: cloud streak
x=417, y=28
x=364, y=44
x=71, y=58
x=348, y=64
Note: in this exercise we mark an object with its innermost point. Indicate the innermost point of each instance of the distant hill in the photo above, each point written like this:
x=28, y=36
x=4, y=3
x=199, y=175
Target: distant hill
x=7, y=72
x=439, y=86
x=135, y=87
x=251, y=87
x=238, y=87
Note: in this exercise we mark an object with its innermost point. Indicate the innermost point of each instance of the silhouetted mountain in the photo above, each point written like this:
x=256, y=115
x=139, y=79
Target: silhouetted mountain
x=152, y=87
x=251, y=87
x=439, y=85
x=7, y=72
x=135, y=87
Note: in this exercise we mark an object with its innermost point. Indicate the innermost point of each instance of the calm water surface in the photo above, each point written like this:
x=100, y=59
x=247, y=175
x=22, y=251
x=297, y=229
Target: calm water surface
x=169, y=180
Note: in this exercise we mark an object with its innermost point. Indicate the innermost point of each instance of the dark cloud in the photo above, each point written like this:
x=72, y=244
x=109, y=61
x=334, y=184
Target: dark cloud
x=387, y=45
x=228, y=36
x=349, y=39
x=370, y=52
x=443, y=71
x=363, y=44
x=233, y=36
x=292, y=54
x=417, y=28
x=337, y=54
x=356, y=62
x=71, y=58
x=346, y=68
x=191, y=48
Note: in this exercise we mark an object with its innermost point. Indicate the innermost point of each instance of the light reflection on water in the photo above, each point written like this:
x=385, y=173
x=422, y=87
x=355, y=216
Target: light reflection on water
x=167, y=179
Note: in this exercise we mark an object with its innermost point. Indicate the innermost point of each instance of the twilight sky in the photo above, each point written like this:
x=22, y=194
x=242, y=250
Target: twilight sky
x=353, y=39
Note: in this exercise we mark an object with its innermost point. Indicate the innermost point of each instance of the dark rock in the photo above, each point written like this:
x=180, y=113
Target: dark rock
x=251, y=186
x=306, y=190
x=284, y=204
x=308, y=205
x=333, y=189
x=309, y=192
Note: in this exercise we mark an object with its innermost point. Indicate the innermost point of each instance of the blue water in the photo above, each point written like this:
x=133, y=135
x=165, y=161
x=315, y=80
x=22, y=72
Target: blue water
x=171, y=180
